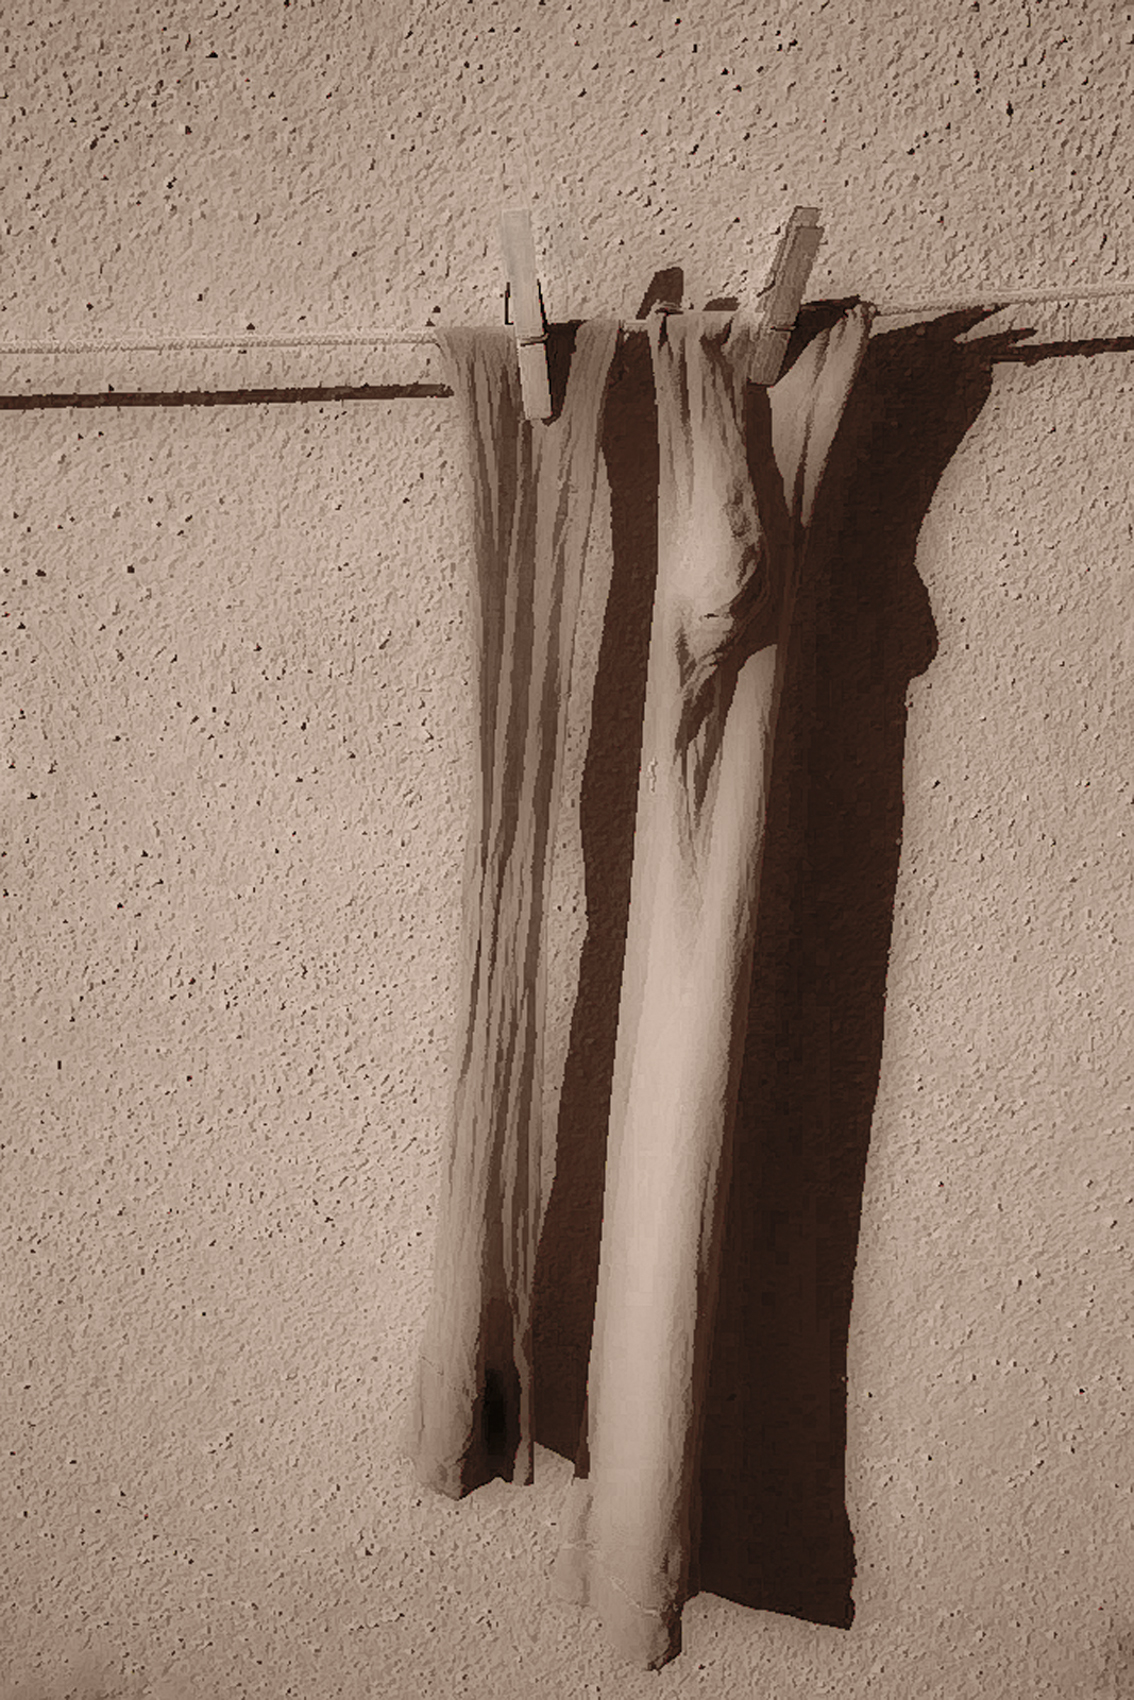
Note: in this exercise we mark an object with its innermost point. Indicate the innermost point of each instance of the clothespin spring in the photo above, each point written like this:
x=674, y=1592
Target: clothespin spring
x=526, y=341
x=526, y=296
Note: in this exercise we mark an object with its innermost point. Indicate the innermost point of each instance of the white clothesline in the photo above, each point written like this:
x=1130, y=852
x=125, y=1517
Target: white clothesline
x=162, y=344
x=990, y=300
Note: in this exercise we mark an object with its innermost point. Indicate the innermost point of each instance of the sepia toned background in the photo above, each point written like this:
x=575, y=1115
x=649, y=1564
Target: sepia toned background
x=235, y=678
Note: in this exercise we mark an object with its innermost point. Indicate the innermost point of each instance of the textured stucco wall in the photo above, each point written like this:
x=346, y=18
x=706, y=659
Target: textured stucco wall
x=235, y=677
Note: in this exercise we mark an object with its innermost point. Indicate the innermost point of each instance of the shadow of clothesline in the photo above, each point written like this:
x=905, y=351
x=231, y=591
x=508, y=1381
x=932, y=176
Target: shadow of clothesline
x=222, y=398
x=775, y=1532
x=1085, y=348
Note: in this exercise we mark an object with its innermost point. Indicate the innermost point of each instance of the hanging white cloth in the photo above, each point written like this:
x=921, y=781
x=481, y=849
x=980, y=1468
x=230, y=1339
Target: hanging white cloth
x=733, y=530
x=739, y=470
x=533, y=492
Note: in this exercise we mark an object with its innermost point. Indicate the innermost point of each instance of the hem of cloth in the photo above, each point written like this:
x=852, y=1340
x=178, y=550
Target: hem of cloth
x=450, y=1457
x=646, y=1636
x=457, y=1481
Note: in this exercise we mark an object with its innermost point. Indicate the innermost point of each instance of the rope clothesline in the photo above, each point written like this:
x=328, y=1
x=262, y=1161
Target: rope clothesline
x=132, y=344
x=161, y=345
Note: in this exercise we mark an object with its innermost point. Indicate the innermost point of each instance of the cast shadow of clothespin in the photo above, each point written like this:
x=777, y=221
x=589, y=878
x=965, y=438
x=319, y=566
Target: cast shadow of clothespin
x=665, y=289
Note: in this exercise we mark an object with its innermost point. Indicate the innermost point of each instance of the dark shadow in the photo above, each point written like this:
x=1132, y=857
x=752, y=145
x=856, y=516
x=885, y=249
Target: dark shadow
x=226, y=398
x=560, y=347
x=775, y=1532
x=665, y=288
x=1085, y=349
x=774, y=1528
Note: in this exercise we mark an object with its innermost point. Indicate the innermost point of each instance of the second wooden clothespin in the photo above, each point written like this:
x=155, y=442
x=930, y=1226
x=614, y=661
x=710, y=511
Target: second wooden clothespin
x=783, y=292
x=527, y=310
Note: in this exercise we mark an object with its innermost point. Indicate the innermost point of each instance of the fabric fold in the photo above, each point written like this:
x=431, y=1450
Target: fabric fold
x=533, y=492
x=739, y=478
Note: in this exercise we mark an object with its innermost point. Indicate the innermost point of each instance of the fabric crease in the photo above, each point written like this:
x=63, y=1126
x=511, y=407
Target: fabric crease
x=533, y=491
x=728, y=561
x=739, y=471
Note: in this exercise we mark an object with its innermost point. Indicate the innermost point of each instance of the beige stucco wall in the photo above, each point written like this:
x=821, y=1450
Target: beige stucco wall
x=235, y=683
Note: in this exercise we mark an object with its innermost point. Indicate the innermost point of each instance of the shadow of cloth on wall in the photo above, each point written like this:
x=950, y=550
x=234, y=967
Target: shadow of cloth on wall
x=775, y=1533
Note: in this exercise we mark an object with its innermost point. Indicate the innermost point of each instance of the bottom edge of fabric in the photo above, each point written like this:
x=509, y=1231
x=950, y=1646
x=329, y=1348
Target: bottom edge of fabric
x=645, y=1636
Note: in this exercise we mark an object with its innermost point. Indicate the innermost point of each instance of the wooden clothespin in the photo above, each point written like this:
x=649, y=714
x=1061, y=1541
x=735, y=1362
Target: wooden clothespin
x=783, y=292
x=527, y=311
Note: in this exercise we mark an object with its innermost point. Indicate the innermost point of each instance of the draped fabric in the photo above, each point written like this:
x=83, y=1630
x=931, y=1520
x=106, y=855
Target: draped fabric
x=733, y=527
x=533, y=490
x=739, y=472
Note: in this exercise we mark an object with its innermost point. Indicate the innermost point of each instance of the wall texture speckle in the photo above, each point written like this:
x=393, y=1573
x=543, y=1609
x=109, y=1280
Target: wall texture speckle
x=235, y=691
